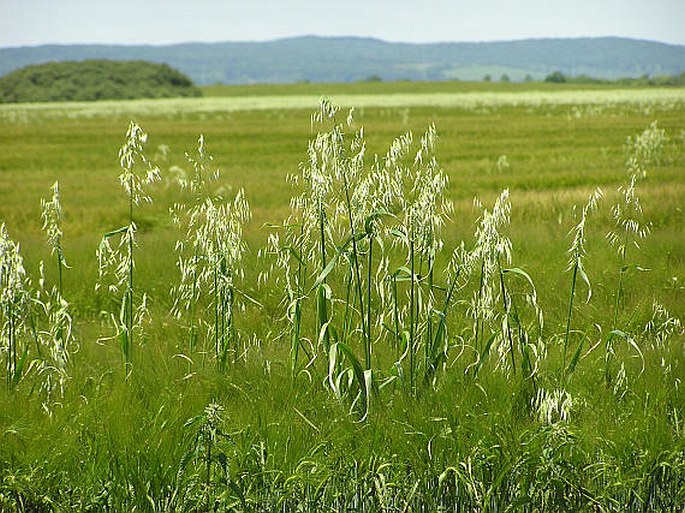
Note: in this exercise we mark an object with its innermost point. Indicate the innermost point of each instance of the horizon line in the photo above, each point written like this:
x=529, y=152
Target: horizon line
x=333, y=37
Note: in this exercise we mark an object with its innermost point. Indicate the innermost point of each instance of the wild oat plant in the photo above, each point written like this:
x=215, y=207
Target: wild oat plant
x=320, y=241
x=55, y=331
x=15, y=306
x=630, y=227
x=116, y=262
x=411, y=191
x=577, y=253
x=204, y=470
x=507, y=319
x=210, y=262
x=336, y=253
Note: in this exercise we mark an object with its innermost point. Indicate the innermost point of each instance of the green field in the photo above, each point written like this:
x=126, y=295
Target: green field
x=384, y=372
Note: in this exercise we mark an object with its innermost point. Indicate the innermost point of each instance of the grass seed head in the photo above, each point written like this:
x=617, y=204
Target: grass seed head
x=51, y=215
x=131, y=154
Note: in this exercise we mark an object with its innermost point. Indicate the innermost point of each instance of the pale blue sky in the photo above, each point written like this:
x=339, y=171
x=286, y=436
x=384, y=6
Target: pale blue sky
x=33, y=22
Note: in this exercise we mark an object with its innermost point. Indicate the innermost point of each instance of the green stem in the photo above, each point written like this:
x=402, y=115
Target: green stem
x=479, y=322
x=619, y=291
x=396, y=312
x=59, y=271
x=322, y=314
x=411, y=316
x=367, y=352
x=216, y=312
x=129, y=292
x=505, y=306
x=355, y=253
x=570, y=313
x=429, y=349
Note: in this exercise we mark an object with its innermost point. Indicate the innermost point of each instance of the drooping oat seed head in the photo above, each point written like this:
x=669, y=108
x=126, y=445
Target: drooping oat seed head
x=131, y=155
x=51, y=215
x=662, y=326
x=553, y=406
x=115, y=262
x=645, y=149
x=204, y=171
x=577, y=251
x=492, y=248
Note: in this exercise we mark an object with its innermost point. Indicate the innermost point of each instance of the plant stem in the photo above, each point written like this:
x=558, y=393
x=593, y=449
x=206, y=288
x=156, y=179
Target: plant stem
x=59, y=271
x=570, y=313
x=129, y=292
x=367, y=352
x=322, y=314
x=355, y=259
x=505, y=306
x=411, y=316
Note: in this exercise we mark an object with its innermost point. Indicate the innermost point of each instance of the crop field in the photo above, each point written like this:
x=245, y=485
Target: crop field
x=364, y=297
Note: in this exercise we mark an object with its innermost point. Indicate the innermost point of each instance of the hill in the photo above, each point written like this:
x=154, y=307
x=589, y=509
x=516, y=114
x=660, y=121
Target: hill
x=346, y=59
x=94, y=80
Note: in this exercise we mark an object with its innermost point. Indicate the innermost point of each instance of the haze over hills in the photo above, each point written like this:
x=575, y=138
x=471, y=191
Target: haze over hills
x=347, y=59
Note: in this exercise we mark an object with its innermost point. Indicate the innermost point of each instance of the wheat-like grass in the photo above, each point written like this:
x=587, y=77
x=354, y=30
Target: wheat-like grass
x=15, y=303
x=116, y=264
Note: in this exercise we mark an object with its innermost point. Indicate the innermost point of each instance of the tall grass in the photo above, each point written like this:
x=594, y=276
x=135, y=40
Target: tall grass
x=15, y=303
x=577, y=254
x=117, y=264
x=405, y=365
x=210, y=260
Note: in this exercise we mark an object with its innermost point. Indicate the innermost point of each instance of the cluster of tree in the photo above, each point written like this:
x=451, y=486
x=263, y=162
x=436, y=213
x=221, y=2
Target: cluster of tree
x=94, y=80
x=645, y=80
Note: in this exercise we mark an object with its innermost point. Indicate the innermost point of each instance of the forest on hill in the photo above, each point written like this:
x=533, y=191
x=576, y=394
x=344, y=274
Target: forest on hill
x=94, y=80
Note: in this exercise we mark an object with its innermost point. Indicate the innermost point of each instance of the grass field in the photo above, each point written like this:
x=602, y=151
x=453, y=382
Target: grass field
x=371, y=368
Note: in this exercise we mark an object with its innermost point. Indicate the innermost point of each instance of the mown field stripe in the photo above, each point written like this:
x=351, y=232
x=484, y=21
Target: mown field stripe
x=465, y=100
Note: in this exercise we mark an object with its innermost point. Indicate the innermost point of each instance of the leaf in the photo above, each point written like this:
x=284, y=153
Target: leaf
x=331, y=264
x=332, y=365
x=584, y=277
x=19, y=369
x=524, y=274
x=118, y=231
x=395, y=232
x=484, y=354
x=368, y=222
x=630, y=341
x=402, y=273
x=576, y=357
x=250, y=299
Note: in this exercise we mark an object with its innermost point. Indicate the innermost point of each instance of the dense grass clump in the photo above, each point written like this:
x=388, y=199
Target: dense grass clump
x=369, y=338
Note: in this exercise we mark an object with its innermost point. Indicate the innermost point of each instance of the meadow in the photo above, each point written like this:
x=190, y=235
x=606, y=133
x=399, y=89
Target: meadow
x=248, y=302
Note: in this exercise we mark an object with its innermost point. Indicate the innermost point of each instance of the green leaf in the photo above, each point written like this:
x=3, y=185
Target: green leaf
x=576, y=357
x=331, y=264
x=118, y=231
x=19, y=369
x=484, y=354
x=584, y=277
x=521, y=272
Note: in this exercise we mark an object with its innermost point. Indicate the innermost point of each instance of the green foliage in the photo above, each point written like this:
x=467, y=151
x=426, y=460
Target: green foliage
x=494, y=421
x=94, y=80
x=556, y=77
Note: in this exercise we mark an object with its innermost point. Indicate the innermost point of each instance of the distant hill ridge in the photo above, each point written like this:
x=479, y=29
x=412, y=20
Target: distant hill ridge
x=347, y=59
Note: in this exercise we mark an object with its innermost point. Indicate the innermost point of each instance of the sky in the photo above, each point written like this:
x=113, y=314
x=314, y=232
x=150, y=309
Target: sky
x=36, y=22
